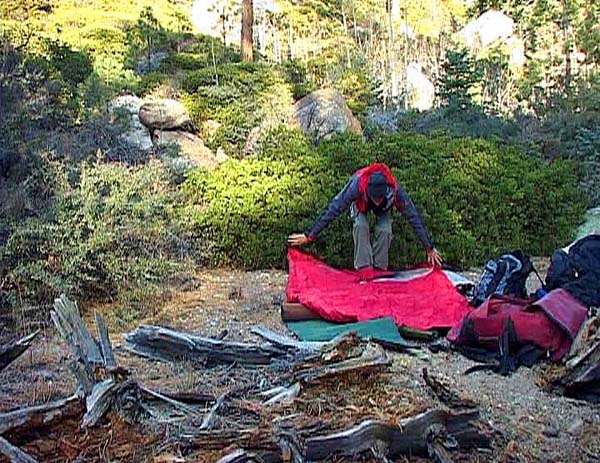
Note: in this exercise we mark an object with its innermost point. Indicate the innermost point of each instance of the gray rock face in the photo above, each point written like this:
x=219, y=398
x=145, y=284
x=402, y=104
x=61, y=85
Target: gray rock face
x=322, y=113
x=164, y=114
x=421, y=91
x=192, y=152
x=487, y=29
x=136, y=134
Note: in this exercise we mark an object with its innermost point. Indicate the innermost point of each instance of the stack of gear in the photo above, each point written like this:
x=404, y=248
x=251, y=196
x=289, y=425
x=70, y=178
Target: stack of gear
x=577, y=269
x=514, y=329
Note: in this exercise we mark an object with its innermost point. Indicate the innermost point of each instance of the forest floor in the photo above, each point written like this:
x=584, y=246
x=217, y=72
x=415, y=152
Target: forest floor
x=530, y=425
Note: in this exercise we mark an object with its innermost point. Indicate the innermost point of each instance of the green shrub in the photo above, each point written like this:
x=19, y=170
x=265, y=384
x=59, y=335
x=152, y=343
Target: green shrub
x=477, y=198
x=110, y=230
x=239, y=96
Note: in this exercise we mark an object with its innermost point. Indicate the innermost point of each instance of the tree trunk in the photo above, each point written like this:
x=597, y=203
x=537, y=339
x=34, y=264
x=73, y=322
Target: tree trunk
x=291, y=52
x=346, y=46
x=247, y=21
x=392, y=50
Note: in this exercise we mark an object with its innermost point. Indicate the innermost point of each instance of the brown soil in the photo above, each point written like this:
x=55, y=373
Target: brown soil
x=530, y=424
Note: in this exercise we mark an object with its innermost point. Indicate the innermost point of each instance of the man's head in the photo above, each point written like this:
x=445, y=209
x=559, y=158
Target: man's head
x=377, y=187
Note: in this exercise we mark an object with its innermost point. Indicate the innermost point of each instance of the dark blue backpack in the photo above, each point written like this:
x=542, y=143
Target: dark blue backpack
x=505, y=274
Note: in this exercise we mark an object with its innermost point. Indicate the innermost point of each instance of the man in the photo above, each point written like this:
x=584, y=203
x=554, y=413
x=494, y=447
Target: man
x=372, y=188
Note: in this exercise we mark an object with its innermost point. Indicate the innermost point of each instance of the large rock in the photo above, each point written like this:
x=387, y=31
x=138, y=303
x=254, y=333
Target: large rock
x=421, y=91
x=487, y=29
x=165, y=114
x=322, y=113
x=192, y=152
x=591, y=224
x=135, y=133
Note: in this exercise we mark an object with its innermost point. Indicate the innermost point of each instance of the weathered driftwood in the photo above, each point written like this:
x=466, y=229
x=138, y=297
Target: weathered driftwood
x=14, y=454
x=104, y=383
x=293, y=447
x=11, y=351
x=241, y=456
x=445, y=394
x=166, y=344
x=582, y=378
x=424, y=434
x=210, y=418
x=372, y=359
x=105, y=345
x=99, y=402
x=285, y=395
x=409, y=438
x=436, y=440
x=72, y=328
x=40, y=415
x=287, y=342
x=587, y=334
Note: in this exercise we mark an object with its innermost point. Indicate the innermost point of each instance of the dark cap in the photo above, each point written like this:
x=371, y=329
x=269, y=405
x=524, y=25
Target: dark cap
x=377, y=187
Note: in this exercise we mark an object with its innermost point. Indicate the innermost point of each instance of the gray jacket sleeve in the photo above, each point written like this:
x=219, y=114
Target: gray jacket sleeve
x=338, y=204
x=412, y=216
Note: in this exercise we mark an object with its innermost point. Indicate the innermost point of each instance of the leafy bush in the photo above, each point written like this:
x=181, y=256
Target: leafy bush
x=238, y=96
x=476, y=197
x=109, y=231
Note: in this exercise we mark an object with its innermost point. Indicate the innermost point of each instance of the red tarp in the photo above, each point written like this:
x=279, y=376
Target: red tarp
x=427, y=301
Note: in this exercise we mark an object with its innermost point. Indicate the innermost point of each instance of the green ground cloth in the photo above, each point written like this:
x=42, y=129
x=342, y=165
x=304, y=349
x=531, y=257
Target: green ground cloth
x=381, y=329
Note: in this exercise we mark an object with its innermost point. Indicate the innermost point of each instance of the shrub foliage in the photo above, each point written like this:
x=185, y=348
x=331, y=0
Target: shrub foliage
x=476, y=197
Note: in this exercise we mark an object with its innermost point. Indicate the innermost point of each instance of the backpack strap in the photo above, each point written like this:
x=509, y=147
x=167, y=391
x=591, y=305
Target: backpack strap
x=498, y=275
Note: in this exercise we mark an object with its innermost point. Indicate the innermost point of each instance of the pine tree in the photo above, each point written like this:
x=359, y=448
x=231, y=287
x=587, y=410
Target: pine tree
x=460, y=75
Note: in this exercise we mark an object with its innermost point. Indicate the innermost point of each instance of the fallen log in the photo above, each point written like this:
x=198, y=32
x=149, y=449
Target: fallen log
x=421, y=435
x=587, y=334
x=287, y=342
x=11, y=351
x=167, y=345
x=408, y=438
x=28, y=418
x=372, y=359
x=14, y=454
x=105, y=384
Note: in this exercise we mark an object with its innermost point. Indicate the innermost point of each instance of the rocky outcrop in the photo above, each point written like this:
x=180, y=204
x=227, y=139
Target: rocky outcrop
x=490, y=29
x=190, y=149
x=165, y=114
x=421, y=91
x=322, y=113
x=125, y=110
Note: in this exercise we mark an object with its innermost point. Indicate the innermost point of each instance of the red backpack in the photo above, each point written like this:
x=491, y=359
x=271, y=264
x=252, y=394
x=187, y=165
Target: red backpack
x=550, y=323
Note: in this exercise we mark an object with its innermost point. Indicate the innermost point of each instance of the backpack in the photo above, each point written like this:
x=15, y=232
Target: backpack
x=505, y=274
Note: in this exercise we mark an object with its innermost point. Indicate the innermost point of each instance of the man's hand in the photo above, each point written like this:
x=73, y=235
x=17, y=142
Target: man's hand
x=434, y=258
x=298, y=239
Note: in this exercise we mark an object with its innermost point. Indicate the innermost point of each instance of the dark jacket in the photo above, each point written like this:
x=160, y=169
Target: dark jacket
x=396, y=196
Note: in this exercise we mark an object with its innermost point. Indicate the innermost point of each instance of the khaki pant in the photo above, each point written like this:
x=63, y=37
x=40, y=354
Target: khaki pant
x=364, y=254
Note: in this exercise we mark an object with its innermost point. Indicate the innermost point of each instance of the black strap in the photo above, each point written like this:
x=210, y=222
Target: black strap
x=500, y=271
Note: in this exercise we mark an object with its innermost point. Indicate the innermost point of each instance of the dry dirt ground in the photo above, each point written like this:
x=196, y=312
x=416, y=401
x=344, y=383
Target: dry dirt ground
x=530, y=425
